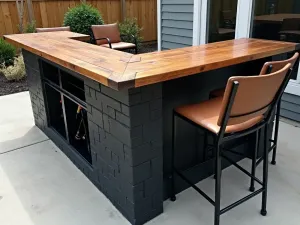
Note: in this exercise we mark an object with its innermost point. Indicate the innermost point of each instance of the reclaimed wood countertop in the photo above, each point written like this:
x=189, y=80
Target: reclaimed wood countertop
x=120, y=70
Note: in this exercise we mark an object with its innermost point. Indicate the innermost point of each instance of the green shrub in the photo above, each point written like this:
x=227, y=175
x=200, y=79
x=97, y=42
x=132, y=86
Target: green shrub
x=130, y=28
x=30, y=27
x=7, y=53
x=16, y=71
x=82, y=17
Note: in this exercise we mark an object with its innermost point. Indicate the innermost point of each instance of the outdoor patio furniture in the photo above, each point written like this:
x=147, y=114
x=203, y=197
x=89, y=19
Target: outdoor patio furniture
x=233, y=116
x=229, y=18
x=275, y=18
x=269, y=67
x=290, y=30
x=52, y=29
x=108, y=36
x=127, y=102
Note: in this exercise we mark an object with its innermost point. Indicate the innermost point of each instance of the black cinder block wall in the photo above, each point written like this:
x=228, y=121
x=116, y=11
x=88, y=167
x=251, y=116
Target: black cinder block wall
x=125, y=130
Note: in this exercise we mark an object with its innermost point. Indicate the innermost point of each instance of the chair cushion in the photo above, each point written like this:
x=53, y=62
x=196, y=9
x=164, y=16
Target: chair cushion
x=206, y=114
x=119, y=45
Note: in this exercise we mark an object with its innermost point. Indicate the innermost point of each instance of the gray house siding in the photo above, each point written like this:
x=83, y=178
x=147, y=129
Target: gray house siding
x=176, y=23
x=290, y=107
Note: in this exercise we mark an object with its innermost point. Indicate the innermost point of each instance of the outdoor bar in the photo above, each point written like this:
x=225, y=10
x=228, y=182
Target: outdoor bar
x=110, y=112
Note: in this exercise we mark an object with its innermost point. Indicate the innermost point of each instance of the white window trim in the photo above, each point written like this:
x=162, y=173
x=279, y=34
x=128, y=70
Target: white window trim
x=243, y=19
x=199, y=22
x=196, y=22
x=159, y=25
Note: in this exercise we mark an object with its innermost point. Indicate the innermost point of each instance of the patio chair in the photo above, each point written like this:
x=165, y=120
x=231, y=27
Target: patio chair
x=52, y=29
x=108, y=36
x=228, y=118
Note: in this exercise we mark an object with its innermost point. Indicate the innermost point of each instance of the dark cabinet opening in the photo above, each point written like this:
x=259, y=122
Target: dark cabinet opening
x=50, y=72
x=66, y=108
x=73, y=85
x=78, y=128
x=55, y=110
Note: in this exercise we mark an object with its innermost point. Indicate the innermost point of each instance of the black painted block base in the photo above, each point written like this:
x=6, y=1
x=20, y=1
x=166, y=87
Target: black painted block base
x=125, y=132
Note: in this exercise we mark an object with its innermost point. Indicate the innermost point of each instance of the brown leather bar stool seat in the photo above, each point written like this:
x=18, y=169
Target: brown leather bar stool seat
x=206, y=115
x=240, y=112
x=52, y=29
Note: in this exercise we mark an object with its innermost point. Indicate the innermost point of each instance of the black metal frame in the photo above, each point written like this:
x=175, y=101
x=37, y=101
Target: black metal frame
x=219, y=139
x=94, y=41
x=63, y=93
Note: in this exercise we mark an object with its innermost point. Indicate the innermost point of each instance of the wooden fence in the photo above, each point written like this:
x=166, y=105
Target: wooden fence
x=50, y=13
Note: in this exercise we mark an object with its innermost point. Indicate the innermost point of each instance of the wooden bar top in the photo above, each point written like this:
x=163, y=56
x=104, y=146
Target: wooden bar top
x=120, y=70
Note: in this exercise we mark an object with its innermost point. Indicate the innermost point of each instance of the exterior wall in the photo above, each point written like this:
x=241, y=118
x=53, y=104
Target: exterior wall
x=125, y=130
x=176, y=23
x=290, y=107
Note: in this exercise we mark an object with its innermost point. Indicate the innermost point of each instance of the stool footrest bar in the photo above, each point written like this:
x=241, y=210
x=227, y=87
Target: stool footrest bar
x=234, y=152
x=242, y=169
x=195, y=187
x=241, y=201
x=261, y=159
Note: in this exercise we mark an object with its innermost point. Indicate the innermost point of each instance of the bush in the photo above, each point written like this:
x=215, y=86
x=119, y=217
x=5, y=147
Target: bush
x=82, y=17
x=30, y=27
x=130, y=28
x=16, y=71
x=7, y=53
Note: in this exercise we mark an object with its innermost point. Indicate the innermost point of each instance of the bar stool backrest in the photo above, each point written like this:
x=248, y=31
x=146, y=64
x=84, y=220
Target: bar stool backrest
x=52, y=29
x=271, y=67
x=253, y=97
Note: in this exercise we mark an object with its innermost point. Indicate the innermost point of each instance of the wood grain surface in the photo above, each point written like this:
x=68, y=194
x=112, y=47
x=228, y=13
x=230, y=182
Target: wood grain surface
x=120, y=70
x=275, y=18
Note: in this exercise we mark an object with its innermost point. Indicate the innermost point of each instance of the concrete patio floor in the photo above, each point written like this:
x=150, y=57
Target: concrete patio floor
x=40, y=186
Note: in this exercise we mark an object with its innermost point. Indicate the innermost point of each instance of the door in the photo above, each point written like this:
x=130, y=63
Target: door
x=279, y=20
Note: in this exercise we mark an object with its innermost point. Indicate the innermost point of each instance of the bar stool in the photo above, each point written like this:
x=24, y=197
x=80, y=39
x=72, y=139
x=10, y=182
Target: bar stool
x=269, y=67
x=228, y=118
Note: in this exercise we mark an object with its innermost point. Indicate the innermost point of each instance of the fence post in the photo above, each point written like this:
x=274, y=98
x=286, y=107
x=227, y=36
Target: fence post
x=123, y=9
x=30, y=11
x=20, y=10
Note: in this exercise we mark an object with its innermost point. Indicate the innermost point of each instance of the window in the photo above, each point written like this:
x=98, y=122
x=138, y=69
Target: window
x=277, y=20
x=222, y=20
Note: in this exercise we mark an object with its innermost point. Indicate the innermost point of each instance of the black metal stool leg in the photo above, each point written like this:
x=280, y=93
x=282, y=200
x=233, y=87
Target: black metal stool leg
x=217, y=185
x=172, y=178
x=254, y=157
x=265, y=173
x=273, y=162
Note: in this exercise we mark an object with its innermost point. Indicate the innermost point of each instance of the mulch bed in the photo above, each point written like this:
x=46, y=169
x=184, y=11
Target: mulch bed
x=148, y=47
x=10, y=87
